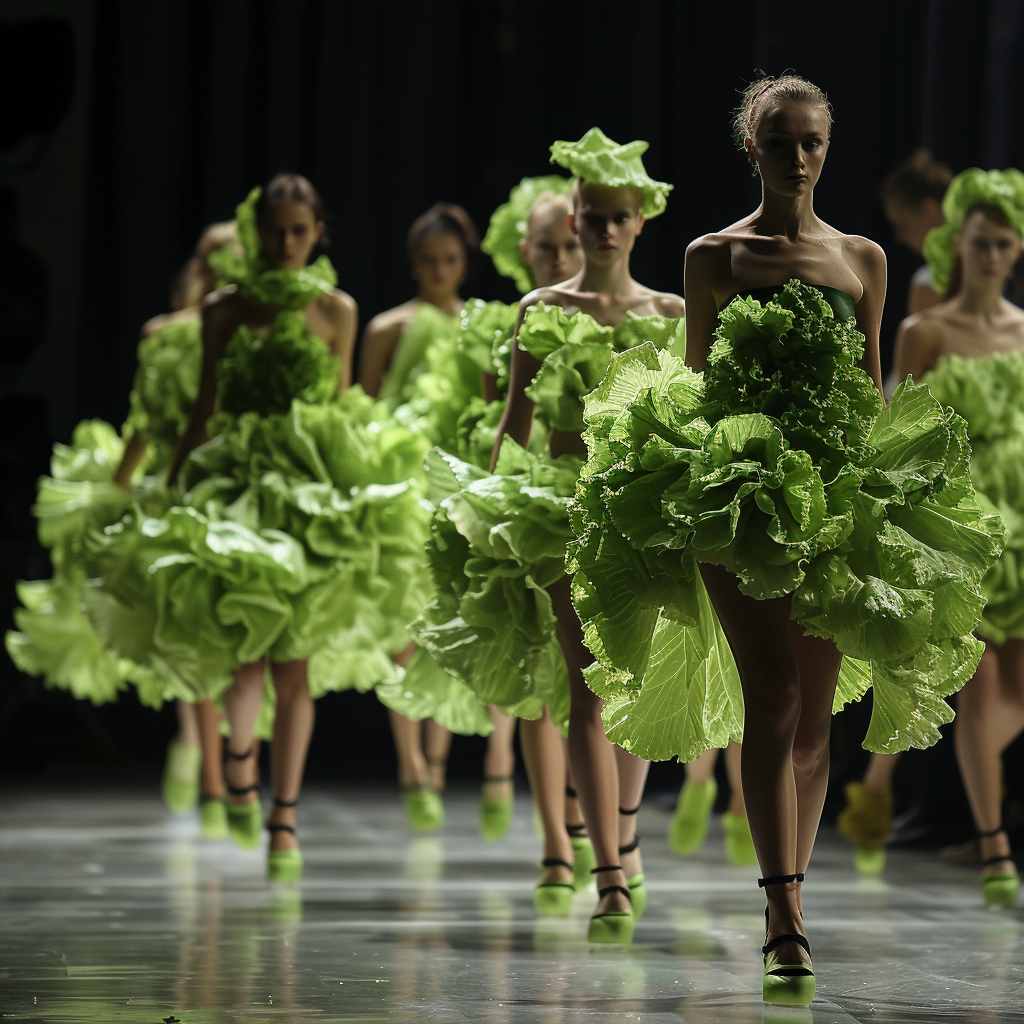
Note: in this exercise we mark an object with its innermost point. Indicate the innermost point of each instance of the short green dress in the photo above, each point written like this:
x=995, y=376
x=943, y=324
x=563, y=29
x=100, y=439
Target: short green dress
x=782, y=463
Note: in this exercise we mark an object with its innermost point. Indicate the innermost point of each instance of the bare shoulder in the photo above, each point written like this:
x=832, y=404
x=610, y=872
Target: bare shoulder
x=390, y=322
x=155, y=323
x=338, y=303
x=925, y=327
x=668, y=304
x=710, y=249
x=863, y=254
x=549, y=296
x=223, y=306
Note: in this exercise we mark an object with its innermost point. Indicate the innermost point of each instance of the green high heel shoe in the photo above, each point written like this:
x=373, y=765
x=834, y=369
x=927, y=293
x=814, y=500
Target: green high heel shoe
x=584, y=858
x=245, y=821
x=553, y=899
x=785, y=984
x=637, y=889
x=283, y=865
x=689, y=825
x=424, y=810
x=866, y=820
x=615, y=927
x=180, y=783
x=496, y=812
x=739, y=845
x=999, y=889
x=213, y=817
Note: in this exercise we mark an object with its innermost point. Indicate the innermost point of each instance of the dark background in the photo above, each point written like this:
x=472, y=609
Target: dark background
x=130, y=124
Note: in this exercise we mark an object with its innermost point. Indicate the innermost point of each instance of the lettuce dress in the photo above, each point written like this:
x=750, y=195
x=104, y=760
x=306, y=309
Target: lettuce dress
x=781, y=463
x=498, y=540
x=55, y=638
x=988, y=392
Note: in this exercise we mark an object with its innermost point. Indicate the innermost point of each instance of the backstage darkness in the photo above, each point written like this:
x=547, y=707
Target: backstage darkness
x=130, y=125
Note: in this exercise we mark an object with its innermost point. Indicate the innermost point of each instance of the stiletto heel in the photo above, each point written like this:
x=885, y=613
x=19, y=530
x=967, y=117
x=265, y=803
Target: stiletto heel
x=785, y=984
x=616, y=926
x=637, y=889
x=495, y=812
x=283, y=865
x=999, y=889
x=554, y=899
x=245, y=821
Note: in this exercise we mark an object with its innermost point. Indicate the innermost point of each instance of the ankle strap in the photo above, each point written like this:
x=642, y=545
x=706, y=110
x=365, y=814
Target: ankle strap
x=499, y=778
x=570, y=792
x=606, y=867
x=555, y=862
x=994, y=832
x=576, y=831
x=630, y=847
x=996, y=860
x=601, y=893
x=230, y=754
x=285, y=803
x=780, y=880
x=622, y=810
x=780, y=940
x=242, y=790
x=281, y=828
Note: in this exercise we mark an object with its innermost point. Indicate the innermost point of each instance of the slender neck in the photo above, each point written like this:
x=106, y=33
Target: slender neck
x=981, y=296
x=606, y=279
x=785, y=215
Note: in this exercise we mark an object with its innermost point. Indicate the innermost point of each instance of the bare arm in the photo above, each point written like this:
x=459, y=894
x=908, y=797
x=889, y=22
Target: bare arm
x=344, y=318
x=517, y=420
x=218, y=326
x=701, y=308
x=867, y=261
x=488, y=386
x=379, y=344
x=134, y=452
x=917, y=348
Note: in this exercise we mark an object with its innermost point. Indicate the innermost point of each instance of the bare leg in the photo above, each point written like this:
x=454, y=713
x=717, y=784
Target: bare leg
x=573, y=811
x=437, y=741
x=544, y=757
x=733, y=762
x=880, y=770
x=408, y=737
x=242, y=705
x=213, y=748
x=702, y=768
x=788, y=681
x=500, y=759
x=632, y=779
x=990, y=716
x=293, y=729
x=591, y=754
x=188, y=723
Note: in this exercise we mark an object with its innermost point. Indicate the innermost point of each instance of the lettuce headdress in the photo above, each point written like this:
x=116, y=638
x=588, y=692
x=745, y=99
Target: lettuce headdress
x=970, y=189
x=508, y=227
x=598, y=159
x=274, y=286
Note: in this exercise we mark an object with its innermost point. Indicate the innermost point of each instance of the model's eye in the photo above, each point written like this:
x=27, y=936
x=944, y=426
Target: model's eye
x=545, y=246
x=621, y=218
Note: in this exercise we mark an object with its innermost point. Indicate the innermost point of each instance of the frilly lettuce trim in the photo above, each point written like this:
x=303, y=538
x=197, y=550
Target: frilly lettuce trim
x=988, y=391
x=165, y=388
x=265, y=374
x=574, y=352
x=508, y=227
x=497, y=542
x=485, y=334
x=882, y=551
x=974, y=187
x=428, y=327
x=289, y=289
x=597, y=158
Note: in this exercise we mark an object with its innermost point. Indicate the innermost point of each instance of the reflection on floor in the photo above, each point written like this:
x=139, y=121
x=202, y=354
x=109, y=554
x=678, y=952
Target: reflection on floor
x=112, y=912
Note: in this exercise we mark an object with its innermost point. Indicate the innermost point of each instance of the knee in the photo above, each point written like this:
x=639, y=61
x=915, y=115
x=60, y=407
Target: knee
x=585, y=708
x=289, y=685
x=772, y=702
x=810, y=753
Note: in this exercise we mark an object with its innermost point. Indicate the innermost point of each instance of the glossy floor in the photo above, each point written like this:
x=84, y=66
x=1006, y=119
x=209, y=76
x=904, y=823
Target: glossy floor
x=110, y=911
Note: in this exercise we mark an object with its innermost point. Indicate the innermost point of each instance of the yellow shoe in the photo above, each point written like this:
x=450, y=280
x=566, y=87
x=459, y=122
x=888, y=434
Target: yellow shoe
x=180, y=785
x=739, y=845
x=867, y=817
x=689, y=825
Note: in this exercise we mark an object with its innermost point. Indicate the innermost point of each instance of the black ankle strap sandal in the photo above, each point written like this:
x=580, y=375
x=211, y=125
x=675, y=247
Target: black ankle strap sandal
x=622, y=810
x=630, y=847
x=576, y=831
x=282, y=828
x=601, y=893
x=779, y=880
x=992, y=834
x=570, y=793
x=230, y=755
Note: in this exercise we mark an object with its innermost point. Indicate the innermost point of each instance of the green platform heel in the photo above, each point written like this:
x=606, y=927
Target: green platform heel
x=999, y=889
x=739, y=844
x=866, y=820
x=180, y=783
x=283, y=865
x=496, y=812
x=637, y=889
x=245, y=821
x=584, y=859
x=617, y=926
x=424, y=810
x=689, y=825
x=554, y=899
x=785, y=984
x=213, y=817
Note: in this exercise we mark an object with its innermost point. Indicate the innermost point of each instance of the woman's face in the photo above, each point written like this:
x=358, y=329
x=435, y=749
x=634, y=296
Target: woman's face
x=606, y=221
x=988, y=249
x=789, y=147
x=550, y=249
x=911, y=223
x=289, y=232
x=439, y=266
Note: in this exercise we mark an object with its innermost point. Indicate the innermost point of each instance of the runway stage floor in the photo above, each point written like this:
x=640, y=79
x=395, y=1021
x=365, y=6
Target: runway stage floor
x=111, y=911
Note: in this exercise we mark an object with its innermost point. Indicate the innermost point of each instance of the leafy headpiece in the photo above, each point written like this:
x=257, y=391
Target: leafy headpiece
x=508, y=227
x=596, y=158
x=274, y=286
x=970, y=189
